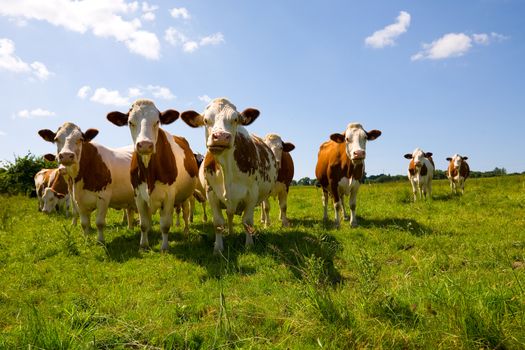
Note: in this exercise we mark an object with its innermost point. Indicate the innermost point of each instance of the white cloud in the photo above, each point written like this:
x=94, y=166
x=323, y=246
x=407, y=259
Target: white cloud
x=181, y=12
x=148, y=16
x=387, y=35
x=3, y=133
x=114, y=97
x=148, y=11
x=161, y=92
x=174, y=37
x=214, y=39
x=190, y=46
x=10, y=62
x=84, y=91
x=205, y=98
x=102, y=18
x=109, y=97
x=454, y=45
x=35, y=113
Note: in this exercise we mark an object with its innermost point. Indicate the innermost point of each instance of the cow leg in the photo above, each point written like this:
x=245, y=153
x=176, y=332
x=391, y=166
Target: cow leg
x=102, y=209
x=218, y=222
x=129, y=217
x=177, y=215
x=325, y=204
x=124, y=219
x=337, y=204
x=415, y=188
x=353, y=203
x=145, y=221
x=462, y=185
x=204, y=216
x=346, y=217
x=85, y=221
x=166, y=220
x=247, y=221
x=67, y=204
x=187, y=214
x=283, y=205
x=265, y=212
x=429, y=188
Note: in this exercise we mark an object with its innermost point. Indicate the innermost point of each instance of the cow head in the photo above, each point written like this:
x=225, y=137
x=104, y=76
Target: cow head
x=68, y=139
x=50, y=199
x=457, y=160
x=144, y=121
x=355, y=138
x=221, y=121
x=418, y=157
x=277, y=146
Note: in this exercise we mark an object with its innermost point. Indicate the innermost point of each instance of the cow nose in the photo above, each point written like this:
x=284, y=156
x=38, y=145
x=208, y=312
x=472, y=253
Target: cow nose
x=66, y=157
x=145, y=146
x=359, y=154
x=222, y=137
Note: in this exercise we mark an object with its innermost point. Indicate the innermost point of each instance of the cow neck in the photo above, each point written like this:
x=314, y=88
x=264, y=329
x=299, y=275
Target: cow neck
x=161, y=166
x=225, y=161
x=91, y=169
x=412, y=169
x=59, y=183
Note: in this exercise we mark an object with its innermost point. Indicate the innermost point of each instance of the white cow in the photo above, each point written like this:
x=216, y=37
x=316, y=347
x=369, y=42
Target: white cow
x=240, y=169
x=458, y=171
x=100, y=175
x=163, y=170
x=420, y=172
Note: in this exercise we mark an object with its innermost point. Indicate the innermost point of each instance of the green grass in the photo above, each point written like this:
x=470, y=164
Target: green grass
x=447, y=273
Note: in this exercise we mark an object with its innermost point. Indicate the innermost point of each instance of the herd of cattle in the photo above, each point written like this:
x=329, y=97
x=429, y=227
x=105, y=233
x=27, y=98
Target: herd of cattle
x=159, y=171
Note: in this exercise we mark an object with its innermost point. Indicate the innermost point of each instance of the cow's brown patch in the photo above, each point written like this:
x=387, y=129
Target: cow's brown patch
x=413, y=170
x=190, y=163
x=46, y=174
x=245, y=154
x=162, y=166
x=210, y=164
x=286, y=171
x=59, y=184
x=264, y=152
x=92, y=169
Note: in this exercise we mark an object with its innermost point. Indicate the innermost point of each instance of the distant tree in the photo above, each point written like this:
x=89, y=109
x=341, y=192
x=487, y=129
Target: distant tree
x=306, y=181
x=17, y=177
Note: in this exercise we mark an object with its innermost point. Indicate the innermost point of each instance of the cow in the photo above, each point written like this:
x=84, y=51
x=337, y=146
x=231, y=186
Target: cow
x=341, y=167
x=42, y=179
x=240, y=169
x=163, y=169
x=99, y=175
x=420, y=172
x=285, y=171
x=458, y=171
x=200, y=190
x=56, y=195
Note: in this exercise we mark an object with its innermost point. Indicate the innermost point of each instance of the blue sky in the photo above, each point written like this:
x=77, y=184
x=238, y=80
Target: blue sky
x=446, y=76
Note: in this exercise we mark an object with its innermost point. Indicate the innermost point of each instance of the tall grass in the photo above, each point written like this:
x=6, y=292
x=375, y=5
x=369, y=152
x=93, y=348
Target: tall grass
x=443, y=273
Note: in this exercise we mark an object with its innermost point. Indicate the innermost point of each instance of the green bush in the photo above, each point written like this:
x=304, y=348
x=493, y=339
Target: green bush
x=17, y=177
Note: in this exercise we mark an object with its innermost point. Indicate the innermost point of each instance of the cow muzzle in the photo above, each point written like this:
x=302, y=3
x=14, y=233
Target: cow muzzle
x=144, y=147
x=219, y=141
x=66, y=158
x=358, y=155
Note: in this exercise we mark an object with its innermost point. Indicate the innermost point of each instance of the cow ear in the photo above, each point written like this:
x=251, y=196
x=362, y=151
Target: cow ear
x=288, y=146
x=249, y=115
x=90, y=134
x=408, y=156
x=47, y=135
x=449, y=159
x=428, y=154
x=168, y=116
x=192, y=118
x=465, y=158
x=373, y=134
x=118, y=118
x=50, y=157
x=339, y=138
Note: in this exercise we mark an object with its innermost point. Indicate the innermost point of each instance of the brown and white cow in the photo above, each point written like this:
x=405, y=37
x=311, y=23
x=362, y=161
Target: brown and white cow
x=285, y=170
x=458, y=171
x=341, y=167
x=420, y=172
x=163, y=169
x=42, y=179
x=100, y=175
x=240, y=169
x=56, y=196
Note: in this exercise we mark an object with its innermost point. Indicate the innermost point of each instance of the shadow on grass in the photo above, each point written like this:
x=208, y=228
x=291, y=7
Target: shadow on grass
x=408, y=225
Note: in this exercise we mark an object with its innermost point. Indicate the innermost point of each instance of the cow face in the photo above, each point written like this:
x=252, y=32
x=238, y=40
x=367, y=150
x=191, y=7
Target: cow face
x=418, y=157
x=355, y=138
x=221, y=121
x=457, y=160
x=144, y=121
x=50, y=199
x=68, y=139
x=277, y=146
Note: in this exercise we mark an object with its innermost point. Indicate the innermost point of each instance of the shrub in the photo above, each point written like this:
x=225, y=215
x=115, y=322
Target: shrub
x=17, y=177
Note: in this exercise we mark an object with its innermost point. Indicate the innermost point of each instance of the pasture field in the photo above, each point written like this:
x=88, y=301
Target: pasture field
x=447, y=273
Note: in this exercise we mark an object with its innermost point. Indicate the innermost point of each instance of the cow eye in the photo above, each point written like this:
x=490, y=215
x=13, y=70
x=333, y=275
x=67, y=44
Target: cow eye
x=131, y=123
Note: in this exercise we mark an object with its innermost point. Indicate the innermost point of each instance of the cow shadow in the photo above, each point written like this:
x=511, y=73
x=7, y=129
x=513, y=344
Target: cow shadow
x=410, y=226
